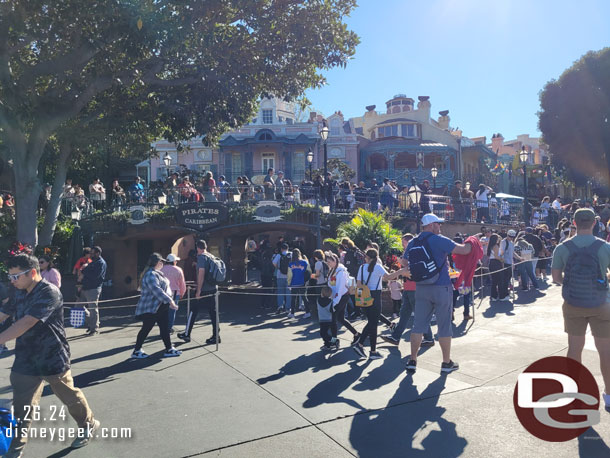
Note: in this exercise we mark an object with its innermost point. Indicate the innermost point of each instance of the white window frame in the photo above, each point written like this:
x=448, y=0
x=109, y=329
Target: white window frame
x=267, y=113
x=267, y=161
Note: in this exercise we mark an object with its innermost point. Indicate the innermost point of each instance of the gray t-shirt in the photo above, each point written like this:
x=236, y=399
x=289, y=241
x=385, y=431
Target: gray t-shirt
x=509, y=251
x=562, y=253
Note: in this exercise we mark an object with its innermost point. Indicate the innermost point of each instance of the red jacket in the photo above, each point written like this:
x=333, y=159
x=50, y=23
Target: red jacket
x=467, y=263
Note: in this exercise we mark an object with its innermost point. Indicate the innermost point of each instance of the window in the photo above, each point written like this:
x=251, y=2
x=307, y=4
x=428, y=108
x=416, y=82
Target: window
x=409, y=130
x=267, y=116
x=289, y=121
x=268, y=161
x=335, y=128
x=265, y=137
x=298, y=167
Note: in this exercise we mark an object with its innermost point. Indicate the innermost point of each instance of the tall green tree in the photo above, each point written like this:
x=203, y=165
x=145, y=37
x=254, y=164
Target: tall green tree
x=575, y=118
x=203, y=63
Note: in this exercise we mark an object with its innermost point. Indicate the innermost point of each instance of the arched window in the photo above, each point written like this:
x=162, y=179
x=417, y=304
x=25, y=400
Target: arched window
x=265, y=136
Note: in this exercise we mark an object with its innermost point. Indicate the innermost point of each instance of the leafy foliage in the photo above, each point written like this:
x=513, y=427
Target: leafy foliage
x=575, y=118
x=189, y=67
x=369, y=226
x=338, y=168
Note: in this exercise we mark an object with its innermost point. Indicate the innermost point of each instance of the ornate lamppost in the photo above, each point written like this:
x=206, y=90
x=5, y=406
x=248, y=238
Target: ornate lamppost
x=523, y=157
x=434, y=172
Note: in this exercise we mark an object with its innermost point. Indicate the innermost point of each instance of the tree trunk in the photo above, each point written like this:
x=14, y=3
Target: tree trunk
x=50, y=218
x=27, y=192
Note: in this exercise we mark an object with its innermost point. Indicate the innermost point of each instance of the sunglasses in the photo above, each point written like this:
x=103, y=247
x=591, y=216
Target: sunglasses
x=15, y=277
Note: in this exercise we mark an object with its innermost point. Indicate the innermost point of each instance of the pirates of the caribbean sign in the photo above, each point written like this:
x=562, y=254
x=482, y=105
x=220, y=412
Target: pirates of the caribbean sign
x=201, y=216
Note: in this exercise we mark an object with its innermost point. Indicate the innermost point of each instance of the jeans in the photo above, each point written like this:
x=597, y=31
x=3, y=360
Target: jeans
x=526, y=269
x=283, y=297
x=27, y=390
x=207, y=300
x=148, y=321
x=297, y=293
x=408, y=307
x=339, y=314
x=171, y=316
x=92, y=296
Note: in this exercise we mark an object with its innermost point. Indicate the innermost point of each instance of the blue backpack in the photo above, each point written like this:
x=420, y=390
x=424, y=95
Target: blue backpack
x=7, y=430
x=421, y=262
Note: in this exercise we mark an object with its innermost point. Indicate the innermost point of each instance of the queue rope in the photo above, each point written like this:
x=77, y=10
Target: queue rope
x=253, y=293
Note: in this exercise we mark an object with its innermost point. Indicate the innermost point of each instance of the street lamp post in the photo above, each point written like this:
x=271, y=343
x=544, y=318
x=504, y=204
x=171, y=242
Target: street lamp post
x=523, y=156
x=416, y=197
x=310, y=161
x=324, y=137
x=167, y=160
x=434, y=173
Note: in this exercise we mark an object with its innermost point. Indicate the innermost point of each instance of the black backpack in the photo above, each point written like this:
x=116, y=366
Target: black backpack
x=421, y=262
x=354, y=258
x=284, y=262
x=584, y=284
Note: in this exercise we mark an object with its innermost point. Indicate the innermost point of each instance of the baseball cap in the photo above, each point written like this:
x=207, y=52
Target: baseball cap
x=430, y=218
x=155, y=258
x=584, y=215
x=172, y=257
x=529, y=230
x=511, y=233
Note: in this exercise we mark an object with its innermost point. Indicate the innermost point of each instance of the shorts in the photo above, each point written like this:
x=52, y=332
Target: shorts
x=542, y=264
x=433, y=299
x=576, y=319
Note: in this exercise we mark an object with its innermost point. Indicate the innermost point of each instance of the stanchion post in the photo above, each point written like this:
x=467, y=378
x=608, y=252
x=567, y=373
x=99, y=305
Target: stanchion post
x=217, y=318
x=512, y=281
x=188, y=302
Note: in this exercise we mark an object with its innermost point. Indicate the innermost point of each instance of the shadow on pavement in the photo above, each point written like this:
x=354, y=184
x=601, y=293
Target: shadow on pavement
x=424, y=432
x=591, y=444
x=329, y=391
x=316, y=361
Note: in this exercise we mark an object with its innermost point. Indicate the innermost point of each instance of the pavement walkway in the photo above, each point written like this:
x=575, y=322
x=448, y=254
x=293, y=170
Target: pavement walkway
x=270, y=392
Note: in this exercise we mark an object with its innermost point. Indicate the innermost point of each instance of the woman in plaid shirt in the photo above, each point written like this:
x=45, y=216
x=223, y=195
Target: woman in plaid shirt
x=153, y=307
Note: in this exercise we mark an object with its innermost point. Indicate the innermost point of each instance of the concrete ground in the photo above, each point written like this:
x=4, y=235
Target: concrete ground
x=270, y=392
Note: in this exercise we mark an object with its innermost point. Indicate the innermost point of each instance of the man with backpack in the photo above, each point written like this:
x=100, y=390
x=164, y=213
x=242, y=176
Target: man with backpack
x=427, y=261
x=580, y=265
x=210, y=271
x=281, y=262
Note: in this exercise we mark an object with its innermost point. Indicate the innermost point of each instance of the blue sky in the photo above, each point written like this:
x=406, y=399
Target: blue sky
x=483, y=60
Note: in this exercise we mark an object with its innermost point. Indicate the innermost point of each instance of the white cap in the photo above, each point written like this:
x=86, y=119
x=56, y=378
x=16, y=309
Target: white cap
x=172, y=257
x=511, y=233
x=430, y=218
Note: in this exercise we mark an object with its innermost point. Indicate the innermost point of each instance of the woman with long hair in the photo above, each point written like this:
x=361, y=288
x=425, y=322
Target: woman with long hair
x=298, y=267
x=372, y=274
x=495, y=264
x=338, y=281
x=48, y=270
x=153, y=307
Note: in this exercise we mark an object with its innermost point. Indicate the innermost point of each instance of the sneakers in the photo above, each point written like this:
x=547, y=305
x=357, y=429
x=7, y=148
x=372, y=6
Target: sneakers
x=505, y=299
x=171, y=331
x=427, y=343
x=291, y=315
x=139, y=355
x=392, y=326
x=171, y=353
x=359, y=349
x=89, y=434
x=433, y=320
x=326, y=347
x=411, y=366
x=279, y=310
x=375, y=355
x=92, y=332
x=307, y=315
x=183, y=336
x=335, y=345
x=355, y=339
x=449, y=367
x=390, y=340
x=212, y=340
x=301, y=307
